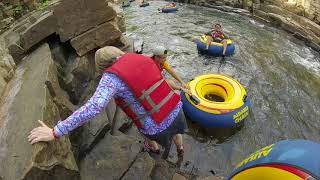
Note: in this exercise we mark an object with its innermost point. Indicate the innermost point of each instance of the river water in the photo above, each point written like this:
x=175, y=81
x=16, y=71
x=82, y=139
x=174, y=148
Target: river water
x=280, y=74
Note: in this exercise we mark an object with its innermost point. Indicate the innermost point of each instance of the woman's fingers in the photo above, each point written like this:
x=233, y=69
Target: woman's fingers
x=35, y=140
x=187, y=91
x=41, y=133
x=42, y=123
x=35, y=129
x=31, y=137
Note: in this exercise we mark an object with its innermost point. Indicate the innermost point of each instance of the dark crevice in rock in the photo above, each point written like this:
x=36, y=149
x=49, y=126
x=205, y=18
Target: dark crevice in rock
x=131, y=164
x=97, y=139
x=61, y=53
x=50, y=89
x=51, y=38
x=74, y=140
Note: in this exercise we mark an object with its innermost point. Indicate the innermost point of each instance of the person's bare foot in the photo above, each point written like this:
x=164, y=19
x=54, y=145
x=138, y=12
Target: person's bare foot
x=150, y=148
x=180, y=151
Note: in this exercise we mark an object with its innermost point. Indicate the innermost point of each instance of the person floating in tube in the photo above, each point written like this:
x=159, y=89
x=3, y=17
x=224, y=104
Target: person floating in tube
x=136, y=83
x=216, y=35
x=171, y=5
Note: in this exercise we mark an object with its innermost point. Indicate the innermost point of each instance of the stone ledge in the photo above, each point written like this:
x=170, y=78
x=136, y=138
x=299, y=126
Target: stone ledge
x=39, y=30
x=103, y=35
x=78, y=16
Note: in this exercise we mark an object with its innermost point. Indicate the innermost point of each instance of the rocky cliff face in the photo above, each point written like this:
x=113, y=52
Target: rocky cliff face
x=25, y=100
x=45, y=59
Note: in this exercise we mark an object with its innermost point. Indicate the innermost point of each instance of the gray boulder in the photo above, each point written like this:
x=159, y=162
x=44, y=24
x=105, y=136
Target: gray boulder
x=110, y=159
x=27, y=99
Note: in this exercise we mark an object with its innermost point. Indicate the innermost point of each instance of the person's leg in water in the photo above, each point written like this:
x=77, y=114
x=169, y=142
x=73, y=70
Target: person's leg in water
x=172, y=133
x=178, y=141
x=209, y=40
x=225, y=45
x=166, y=141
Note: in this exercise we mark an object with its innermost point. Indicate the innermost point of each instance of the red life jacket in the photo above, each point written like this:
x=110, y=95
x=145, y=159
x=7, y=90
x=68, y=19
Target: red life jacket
x=143, y=77
x=216, y=34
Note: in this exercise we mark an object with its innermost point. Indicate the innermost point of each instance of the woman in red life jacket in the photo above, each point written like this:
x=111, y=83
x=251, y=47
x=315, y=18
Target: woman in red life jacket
x=136, y=83
x=216, y=35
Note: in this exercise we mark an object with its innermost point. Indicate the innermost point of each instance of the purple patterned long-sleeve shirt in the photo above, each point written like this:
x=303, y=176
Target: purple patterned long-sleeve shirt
x=110, y=86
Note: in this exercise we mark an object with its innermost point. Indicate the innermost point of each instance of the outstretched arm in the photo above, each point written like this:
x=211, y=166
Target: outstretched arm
x=104, y=92
x=174, y=86
x=167, y=67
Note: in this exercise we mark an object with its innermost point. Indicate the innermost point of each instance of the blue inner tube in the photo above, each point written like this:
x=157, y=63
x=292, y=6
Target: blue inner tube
x=300, y=154
x=168, y=10
x=216, y=50
x=209, y=120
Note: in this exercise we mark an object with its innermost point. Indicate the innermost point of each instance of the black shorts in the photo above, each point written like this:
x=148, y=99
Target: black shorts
x=178, y=126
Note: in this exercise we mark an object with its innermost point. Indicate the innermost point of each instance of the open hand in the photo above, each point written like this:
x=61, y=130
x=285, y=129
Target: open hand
x=41, y=133
x=184, y=85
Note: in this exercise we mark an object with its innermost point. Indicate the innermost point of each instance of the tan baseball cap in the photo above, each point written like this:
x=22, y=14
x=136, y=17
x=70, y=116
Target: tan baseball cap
x=159, y=51
x=106, y=56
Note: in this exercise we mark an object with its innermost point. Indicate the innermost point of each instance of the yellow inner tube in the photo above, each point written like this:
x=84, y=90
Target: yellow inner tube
x=204, y=39
x=265, y=173
x=168, y=7
x=230, y=90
